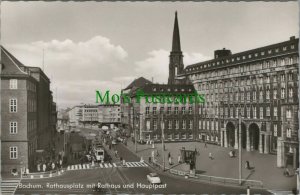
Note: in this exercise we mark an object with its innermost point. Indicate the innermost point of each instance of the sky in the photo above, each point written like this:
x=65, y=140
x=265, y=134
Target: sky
x=91, y=46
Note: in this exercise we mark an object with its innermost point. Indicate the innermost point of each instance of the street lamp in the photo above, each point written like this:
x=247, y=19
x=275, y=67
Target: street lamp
x=240, y=148
x=162, y=140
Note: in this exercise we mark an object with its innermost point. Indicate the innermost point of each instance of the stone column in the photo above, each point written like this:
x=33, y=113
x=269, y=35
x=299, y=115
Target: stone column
x=260, y=144
x=222, y=142
x=225, y=140
x=266, y=150
x=236, y=138
x=247, y=139
x=280, y=152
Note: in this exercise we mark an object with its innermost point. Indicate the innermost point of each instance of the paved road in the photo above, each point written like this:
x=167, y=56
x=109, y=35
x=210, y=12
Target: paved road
x=121, y=180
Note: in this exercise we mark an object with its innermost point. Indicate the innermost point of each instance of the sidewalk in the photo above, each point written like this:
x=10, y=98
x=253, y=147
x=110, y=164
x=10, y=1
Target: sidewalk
x=265, y=169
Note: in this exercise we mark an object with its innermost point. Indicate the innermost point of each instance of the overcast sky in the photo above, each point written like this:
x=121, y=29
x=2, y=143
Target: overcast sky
x=102, y=46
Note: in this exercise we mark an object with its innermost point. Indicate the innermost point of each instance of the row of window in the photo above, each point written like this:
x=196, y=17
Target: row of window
x=248, y=111
x=169, y=110
x=171, y=136
x=246, y=96
x=242, y=82
x=259, y=65
x=176, y=124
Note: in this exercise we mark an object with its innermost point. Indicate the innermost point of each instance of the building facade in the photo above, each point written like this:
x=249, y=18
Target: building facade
x=109, y=114
x=23, y=121
x=261, y=86
x=75, y=115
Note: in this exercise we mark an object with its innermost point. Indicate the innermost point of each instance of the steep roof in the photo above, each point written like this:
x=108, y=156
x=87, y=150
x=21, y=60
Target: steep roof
x=138, y=83
x=176, y=47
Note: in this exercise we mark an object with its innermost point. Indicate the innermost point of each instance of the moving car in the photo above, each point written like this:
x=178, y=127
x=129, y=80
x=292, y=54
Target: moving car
x=153, y=178
x=114, y=142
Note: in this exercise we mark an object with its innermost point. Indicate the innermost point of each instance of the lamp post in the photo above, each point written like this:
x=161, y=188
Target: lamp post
x=240, y=148
x=162, y=140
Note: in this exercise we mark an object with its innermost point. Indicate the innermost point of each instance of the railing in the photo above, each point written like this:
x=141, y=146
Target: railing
x=221, y=180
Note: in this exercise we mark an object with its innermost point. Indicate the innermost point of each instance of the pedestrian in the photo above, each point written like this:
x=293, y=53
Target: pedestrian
x=38, y=167
x=247, y=165
x=210, y=156
x=169, y=155
x=286, y=172
x=60, y=163
x=157, y=154
x=116, y=153
x=121, y=158
x=205, y=146
x=44, y=167
x=179, y=159
x=52, y=165
x=170, y=160
x=149, y=159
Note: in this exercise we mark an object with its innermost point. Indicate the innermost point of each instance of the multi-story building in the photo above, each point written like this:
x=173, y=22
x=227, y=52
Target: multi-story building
x=26, y=110
x=75, y=115
x=89, y=114
x=126, y=121
x=151, y=119
x=109, y=114
x=260, y=85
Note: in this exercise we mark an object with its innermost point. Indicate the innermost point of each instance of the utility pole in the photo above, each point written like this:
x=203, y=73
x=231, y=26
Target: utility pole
x=240, y=149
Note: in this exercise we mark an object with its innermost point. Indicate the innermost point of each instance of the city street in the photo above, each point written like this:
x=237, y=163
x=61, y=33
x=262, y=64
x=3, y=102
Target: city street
x=118, y=177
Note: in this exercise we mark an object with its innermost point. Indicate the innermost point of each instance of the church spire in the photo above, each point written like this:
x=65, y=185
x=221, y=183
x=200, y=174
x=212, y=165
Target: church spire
x=176, y=58
x=176, y=37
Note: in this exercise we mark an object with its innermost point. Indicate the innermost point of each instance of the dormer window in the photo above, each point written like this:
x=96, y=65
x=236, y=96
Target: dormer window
x=256, y=54
x=292, y=46
x=249, y=56
x=244, y=57
x=262, y=53
x=284, y=48
x=277, y=50
x=269, y=51
x=238, y=58
x=182, y=89
x=154, y=89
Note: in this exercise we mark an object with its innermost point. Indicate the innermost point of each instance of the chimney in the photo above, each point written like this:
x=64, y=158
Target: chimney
x=292, y=38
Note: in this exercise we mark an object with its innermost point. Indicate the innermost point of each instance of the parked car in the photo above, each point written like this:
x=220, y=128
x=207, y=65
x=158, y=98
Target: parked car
x=153, y=178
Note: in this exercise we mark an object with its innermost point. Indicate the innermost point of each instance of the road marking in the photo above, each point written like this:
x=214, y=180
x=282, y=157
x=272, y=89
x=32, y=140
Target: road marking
x=105, y=165
x=101, y=165
x=114, y=164
x=109, y=165
x=72, y=167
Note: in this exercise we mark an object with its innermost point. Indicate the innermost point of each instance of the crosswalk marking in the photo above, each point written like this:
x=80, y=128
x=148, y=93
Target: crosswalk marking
x=136, y=164
x=107, y=165
x=9, y=186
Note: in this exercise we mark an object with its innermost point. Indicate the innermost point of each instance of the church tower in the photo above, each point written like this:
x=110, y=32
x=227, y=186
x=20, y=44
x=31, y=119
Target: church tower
x=176, y=58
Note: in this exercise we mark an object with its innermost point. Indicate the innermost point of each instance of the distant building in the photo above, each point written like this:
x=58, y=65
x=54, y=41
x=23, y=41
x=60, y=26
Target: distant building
x=75, y=115
x=63, y=120
x=109, y=115
x=27, y=114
